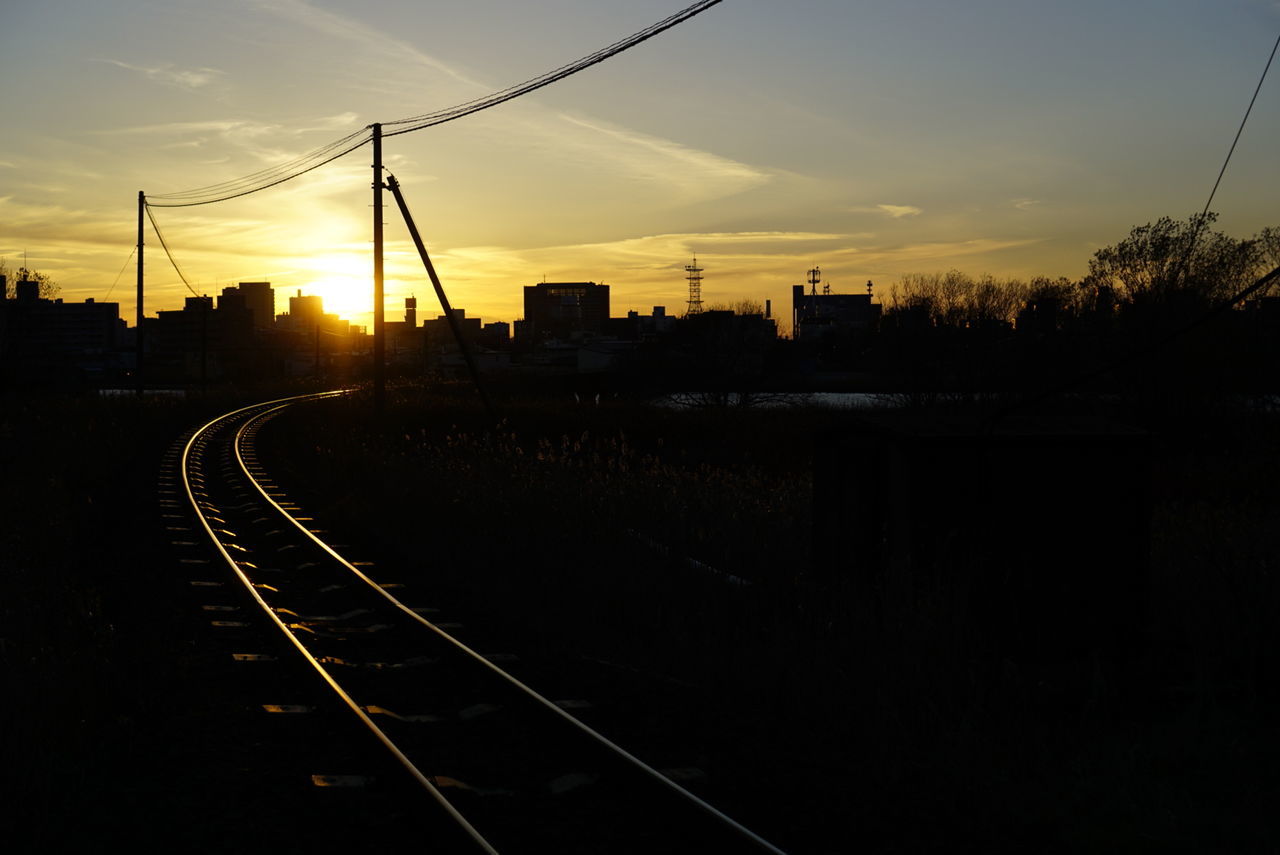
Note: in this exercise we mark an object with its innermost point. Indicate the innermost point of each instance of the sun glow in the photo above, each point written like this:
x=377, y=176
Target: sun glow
x=344, y=281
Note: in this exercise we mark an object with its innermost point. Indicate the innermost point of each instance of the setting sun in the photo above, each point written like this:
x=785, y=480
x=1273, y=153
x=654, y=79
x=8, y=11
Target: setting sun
x=343, y=281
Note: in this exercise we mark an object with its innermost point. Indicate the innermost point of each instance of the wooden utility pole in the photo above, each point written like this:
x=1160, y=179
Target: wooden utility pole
x=137, y=369
x=379, y=328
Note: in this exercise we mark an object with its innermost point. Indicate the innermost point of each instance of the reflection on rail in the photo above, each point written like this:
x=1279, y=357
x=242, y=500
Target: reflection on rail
x=229, y=492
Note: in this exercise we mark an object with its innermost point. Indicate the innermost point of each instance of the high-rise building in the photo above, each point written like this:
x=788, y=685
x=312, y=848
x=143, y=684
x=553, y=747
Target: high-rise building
x=560, y=309
x=305, y=312
x=259, y=299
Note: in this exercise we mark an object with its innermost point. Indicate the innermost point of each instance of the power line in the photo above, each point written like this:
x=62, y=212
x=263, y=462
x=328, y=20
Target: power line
x=156, y=226
x=1240, y=130
x=280, y=173
x=132, y=252
x=426, y=120
x=1261, y=284
x=1204, y=219
x=265, y=178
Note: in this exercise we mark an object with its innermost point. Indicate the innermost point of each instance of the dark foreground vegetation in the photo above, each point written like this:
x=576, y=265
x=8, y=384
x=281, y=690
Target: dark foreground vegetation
x=676, y=545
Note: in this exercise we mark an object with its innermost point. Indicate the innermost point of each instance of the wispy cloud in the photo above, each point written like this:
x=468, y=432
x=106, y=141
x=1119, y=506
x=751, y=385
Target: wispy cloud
x=219, y=126
x=897, y=212
x=900, y=211
x=699, y=173
x=642, y=257
x=266, y=142
x=648, y=270
x=686, y=174
x=352, y=29
x=183, y=78
x=1025, y=204
x=332, y=123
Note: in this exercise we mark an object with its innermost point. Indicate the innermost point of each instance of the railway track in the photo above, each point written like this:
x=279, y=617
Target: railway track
x=463, y=749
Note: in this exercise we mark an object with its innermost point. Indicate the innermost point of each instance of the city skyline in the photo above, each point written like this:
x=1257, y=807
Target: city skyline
x=876, y=141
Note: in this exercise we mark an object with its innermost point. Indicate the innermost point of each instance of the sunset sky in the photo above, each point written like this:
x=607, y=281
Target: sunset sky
x=871, y=137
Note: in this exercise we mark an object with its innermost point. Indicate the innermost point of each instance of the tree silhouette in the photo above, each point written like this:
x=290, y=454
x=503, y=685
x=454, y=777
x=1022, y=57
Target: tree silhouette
x=1178, y=260
x=48, y=288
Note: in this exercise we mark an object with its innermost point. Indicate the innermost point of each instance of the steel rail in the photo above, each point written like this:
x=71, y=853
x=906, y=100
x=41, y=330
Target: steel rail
x=533, y=695
x=351, y=704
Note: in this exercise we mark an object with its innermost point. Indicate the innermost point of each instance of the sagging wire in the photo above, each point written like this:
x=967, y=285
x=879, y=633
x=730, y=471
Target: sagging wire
x=132, y=252
x=439, y=117
x=160, y=235
x=265, y=178
x=287, y=171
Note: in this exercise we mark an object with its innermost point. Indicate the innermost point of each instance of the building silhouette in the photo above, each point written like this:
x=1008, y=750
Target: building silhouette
x=815, y=316
x=42, y=338
x=563, y=310
x=201, y=342
x=259, y=298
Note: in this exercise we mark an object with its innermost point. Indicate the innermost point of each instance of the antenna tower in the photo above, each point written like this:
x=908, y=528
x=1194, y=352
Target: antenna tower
x=815, y=276
x=695, y=286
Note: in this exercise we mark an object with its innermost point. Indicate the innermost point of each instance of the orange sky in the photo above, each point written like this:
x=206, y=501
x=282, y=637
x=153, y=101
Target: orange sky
x=873, y=139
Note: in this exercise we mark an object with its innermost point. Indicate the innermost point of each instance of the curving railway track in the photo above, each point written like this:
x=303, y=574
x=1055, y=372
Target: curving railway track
x=463, y=749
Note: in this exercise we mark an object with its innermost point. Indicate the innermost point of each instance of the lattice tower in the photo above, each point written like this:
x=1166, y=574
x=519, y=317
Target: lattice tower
x=695, y=286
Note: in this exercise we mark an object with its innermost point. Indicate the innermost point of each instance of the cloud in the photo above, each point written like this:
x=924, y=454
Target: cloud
x=900, y=211
x=219, y=126
x=184, y=78
x=684, y=174
x=698, y=174
x=331, y=123
x=1025, y=204
x=352, y=29
x=897, y=212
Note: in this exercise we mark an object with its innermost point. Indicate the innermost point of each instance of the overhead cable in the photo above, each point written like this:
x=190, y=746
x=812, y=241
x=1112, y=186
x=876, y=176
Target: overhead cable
x=288, y=170
x=1240, y=130
x=265, y=178
x=121, y=273
x=160, y=235
x=1262, y=284
x=426, y=120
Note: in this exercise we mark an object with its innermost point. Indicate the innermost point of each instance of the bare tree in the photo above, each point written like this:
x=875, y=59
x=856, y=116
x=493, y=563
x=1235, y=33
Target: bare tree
x=1268, y=241
x=745, y=306
x=48, y=288
x=957, y=299
x=1167, y=258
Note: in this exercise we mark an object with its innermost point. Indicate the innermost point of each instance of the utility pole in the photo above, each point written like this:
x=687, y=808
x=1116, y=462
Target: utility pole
x=379, y=329
x=137, y=369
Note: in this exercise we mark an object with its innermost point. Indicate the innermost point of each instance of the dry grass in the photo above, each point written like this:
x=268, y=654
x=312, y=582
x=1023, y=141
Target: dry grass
x=883, y=730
